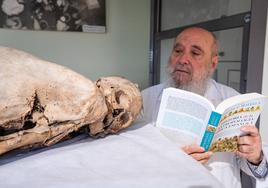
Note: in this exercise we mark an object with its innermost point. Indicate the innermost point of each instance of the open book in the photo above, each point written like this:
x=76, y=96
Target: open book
x=188, y=118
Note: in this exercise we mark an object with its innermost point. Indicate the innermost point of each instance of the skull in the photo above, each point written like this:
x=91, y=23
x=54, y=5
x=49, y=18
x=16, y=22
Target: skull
x=124, y=103
x=42, y=103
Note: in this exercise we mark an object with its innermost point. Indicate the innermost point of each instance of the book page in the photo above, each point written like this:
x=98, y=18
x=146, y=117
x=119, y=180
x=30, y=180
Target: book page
x=233, y=118
x=183, y=116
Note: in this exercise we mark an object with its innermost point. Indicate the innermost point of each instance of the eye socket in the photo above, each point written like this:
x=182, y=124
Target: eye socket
x=196, y=53
x=121, y=97
x=178, y=50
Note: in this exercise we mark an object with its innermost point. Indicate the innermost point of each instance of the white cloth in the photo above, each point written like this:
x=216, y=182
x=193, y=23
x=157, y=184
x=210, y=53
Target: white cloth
x=224, y=166
x=139, y=157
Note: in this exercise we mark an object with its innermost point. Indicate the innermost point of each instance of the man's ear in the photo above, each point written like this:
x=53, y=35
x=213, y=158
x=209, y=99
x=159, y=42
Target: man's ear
x=214, y=62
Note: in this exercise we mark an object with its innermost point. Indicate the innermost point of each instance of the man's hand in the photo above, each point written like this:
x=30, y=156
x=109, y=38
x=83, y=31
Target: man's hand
x=249, y=146
x=198, y=153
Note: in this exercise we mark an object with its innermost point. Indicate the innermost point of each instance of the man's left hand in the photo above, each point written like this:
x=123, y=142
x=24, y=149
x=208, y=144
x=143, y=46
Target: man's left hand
x=249, y=146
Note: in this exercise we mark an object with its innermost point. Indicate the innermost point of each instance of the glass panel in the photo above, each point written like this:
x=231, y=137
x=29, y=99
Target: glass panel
x=178, y=13
x=166, y=47
x=230, y=50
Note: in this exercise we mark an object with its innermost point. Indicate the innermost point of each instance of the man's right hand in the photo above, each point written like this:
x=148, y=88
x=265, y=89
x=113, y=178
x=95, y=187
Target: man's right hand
x=198, y=153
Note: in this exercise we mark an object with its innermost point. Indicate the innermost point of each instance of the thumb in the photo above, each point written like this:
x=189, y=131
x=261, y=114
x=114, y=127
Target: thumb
x=193, y=148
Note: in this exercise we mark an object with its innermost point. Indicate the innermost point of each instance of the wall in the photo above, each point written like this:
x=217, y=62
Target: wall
x=123, y=50
x=264, y=116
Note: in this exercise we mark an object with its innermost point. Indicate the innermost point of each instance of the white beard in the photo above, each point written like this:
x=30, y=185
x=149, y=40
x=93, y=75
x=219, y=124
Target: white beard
x=198, y=86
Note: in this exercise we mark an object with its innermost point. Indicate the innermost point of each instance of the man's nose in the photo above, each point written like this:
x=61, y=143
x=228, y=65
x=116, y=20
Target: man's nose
x=184, y=58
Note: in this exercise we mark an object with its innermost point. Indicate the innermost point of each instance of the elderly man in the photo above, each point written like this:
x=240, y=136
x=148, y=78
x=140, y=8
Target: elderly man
x=192, y=62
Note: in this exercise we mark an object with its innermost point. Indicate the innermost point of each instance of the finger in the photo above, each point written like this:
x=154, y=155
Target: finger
x=250, y=140
x=204, y=161
x=245, y=149
x=242, y=155
x=202, y=156
x=245, y=140
x=248, y=156
x=189, y=149
x=250, y=130
x=253, y=158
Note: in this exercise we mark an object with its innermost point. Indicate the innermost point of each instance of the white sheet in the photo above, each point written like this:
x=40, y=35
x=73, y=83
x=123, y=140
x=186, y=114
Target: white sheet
x=139, y=157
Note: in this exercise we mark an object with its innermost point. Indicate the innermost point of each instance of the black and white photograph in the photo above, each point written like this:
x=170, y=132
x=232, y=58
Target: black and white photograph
x=53, y=15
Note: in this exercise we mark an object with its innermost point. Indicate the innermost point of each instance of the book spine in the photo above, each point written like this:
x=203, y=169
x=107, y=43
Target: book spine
x=210, y=131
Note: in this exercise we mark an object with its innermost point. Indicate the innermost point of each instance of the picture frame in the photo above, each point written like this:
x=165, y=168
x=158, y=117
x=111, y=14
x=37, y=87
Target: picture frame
x=52, y=15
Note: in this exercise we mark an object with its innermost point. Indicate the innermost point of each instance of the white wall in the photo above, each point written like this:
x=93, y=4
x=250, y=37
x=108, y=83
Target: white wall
x=264, y=116
x=123, y=50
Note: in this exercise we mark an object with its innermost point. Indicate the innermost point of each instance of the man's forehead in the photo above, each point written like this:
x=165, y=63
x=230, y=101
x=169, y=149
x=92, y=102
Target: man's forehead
x=195, y=37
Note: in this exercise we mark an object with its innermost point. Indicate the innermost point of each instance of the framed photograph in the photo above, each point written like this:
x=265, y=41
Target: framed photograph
x=54, y=15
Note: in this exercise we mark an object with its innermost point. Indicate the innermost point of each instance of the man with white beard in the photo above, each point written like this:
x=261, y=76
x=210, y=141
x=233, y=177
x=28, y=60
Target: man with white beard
x=193, y=60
